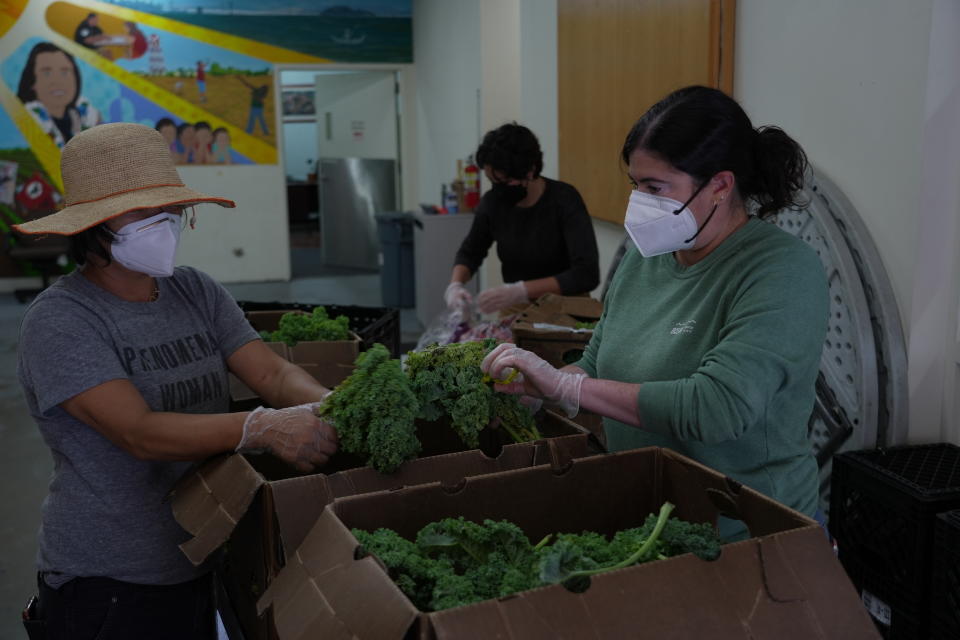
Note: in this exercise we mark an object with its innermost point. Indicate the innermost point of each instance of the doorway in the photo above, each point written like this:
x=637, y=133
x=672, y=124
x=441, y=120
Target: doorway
x=332, y=119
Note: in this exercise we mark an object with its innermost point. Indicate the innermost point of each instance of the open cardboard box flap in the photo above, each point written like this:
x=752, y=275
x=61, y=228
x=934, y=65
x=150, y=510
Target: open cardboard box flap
x=210, y=501
x=782, y=583
x=559, y=310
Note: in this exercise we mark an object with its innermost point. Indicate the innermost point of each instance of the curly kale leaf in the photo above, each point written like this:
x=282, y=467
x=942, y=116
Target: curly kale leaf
x=454, y=562
x=448, y=381
x=374, y=410
x=297, y=327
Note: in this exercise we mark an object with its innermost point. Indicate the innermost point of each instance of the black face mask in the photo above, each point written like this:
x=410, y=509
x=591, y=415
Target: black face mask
x=509, y=194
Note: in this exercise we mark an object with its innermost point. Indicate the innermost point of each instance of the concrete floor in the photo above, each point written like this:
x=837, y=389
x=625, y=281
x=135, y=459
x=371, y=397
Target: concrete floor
x=25, y=462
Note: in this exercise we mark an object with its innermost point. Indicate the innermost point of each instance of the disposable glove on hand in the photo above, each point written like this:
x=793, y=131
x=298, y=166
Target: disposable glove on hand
x=501, y=297
x=538, y=378
x=295, y=435
x=457, y=297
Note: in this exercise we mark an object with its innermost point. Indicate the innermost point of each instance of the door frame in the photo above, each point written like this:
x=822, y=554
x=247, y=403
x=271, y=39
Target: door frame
x=406, y=121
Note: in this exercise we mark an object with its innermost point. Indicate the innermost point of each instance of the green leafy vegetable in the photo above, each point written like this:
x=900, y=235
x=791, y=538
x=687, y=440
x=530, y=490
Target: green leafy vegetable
x=585, y=325
x=448, y=381
x=455, y=562
x=373, y=411
x=297, y=327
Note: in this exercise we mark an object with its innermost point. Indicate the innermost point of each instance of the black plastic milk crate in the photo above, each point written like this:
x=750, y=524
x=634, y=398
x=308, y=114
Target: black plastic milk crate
x=945, y=596
x=372, y=324
x=883, y=506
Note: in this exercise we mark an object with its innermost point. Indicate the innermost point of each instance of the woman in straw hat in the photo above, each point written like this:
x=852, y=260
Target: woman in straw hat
x=124, y=367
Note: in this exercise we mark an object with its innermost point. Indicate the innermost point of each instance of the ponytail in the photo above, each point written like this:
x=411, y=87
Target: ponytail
x=780, y=167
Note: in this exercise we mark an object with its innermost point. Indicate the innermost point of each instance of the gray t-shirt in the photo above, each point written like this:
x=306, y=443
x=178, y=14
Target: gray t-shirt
x=106, y=513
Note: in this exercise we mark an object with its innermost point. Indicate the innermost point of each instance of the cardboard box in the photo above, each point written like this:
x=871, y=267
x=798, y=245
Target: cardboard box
x=265, y=510
x=783, y=583
x=328, y=352
x=547, y=327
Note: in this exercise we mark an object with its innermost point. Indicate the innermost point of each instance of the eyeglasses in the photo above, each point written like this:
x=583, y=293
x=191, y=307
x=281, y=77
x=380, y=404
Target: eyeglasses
x=175, y=210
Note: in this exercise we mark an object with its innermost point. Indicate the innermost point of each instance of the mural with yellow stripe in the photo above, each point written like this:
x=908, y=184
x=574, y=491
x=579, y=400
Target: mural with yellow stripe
x=253, y=148
x=193, y=80
x=44, y=149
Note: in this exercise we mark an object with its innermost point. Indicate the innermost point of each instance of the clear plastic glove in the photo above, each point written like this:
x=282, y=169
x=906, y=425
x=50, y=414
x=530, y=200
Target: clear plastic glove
x=501, y=297
x=295, y=435
x=457, y=297
x=537, y=377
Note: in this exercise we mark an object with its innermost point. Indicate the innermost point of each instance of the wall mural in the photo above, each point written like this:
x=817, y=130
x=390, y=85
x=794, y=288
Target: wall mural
x=200, y=71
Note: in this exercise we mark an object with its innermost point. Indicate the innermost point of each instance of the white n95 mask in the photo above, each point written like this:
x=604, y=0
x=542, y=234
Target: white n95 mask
x=659, y=225
x=148, y=246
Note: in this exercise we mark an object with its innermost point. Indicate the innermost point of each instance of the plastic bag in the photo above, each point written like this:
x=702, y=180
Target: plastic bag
x=465, y=325
x=443, y=328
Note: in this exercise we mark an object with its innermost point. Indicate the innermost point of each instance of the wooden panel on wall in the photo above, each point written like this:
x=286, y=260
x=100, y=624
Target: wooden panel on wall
x=616, y=58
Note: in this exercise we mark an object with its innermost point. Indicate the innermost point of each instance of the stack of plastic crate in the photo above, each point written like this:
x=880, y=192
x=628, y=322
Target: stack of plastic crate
x=945, y=600
x=372, y=324
x=883, y=507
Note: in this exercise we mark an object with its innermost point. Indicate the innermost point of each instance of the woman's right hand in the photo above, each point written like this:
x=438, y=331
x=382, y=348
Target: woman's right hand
x=457, y=297
x=538, y=378
x=295, y=435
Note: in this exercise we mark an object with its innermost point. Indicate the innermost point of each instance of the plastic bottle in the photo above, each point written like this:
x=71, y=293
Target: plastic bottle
x=450, y=199
x=471, y=185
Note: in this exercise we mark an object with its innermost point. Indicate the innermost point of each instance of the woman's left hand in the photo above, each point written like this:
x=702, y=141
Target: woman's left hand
x=538, y=378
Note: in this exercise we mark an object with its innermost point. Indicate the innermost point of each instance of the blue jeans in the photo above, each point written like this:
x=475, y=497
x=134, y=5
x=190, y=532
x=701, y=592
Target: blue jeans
x=256, y=115
x=108, y=609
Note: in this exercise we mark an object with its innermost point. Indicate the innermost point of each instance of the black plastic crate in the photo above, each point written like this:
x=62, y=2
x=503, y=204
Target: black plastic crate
x=945, y=595
x=883, y=506
x=372, y=324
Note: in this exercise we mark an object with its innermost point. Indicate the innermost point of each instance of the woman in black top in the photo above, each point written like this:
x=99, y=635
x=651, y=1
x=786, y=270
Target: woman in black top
x=543, y=232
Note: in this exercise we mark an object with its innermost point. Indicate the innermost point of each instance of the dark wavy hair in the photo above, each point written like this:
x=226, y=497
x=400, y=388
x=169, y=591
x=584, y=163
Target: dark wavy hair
x=28, y=77
x=95, y=241
x=512, y=149
x=702, y=131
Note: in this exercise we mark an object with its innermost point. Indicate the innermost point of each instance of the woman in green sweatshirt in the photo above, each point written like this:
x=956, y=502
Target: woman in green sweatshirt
x=712, y=329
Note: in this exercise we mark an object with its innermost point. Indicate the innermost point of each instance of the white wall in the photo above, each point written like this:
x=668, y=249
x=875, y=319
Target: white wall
x=446, y=46
x=871, y=90
x=249, y=243
x=847, y=81
x=934, y=343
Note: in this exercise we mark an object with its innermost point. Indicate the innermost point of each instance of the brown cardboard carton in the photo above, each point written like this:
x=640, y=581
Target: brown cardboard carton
x=783, y=583
x=329, y=352
x=265, y=510
x=557, y=346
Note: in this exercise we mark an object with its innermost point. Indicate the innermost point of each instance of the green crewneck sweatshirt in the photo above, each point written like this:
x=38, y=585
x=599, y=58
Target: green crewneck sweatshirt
x=726, y=353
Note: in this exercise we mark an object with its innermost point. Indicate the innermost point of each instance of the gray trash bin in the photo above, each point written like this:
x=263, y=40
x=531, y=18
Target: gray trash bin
x=395, y=230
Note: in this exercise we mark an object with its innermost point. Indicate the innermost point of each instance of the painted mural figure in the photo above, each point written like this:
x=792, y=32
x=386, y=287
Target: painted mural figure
x=168, y=129
x=201, y=144
x=220, y=149
x=50, y=90
x=138, y=41
x=257, y=96
x=185, y=141
x=201, y=81
x=90, y=35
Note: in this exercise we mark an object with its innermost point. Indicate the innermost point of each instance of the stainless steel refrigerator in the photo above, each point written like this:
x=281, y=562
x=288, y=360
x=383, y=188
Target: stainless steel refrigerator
x=352, y=192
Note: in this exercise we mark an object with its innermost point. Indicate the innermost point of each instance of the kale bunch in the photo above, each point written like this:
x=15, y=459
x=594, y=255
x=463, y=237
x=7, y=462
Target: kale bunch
x=373, y=411
x=455, y=562
x=448, y=382
x=318, y=326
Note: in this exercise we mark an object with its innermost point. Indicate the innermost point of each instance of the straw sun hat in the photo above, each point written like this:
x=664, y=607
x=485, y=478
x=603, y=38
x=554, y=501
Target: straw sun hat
x=112, y=169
